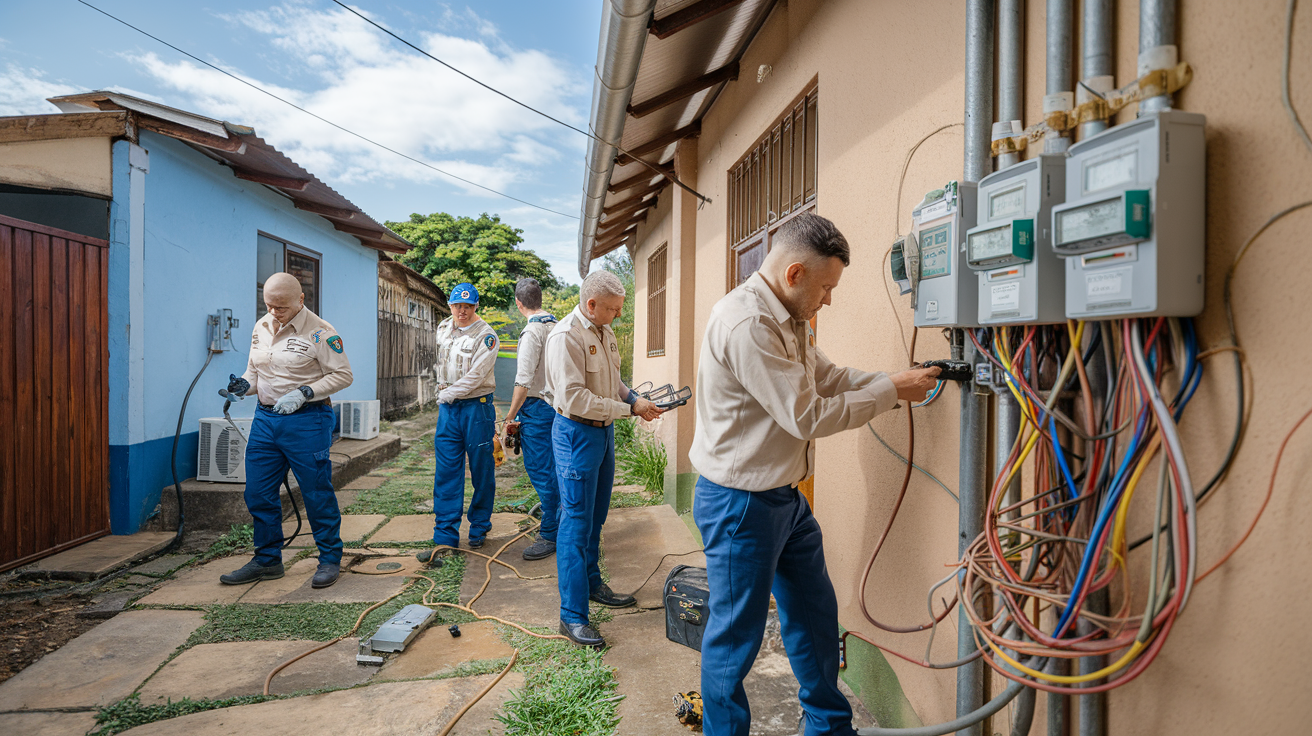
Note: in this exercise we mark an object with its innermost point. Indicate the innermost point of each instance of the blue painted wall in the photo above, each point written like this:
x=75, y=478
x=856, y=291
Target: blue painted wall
x=199, y=251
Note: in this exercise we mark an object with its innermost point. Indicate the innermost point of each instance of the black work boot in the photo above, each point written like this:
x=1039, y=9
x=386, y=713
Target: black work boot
x=476, y=542
x=541, y=549
x=326, y=574
x=429, y=557
x=253, y=572
x=605, y=596
x=582, y=634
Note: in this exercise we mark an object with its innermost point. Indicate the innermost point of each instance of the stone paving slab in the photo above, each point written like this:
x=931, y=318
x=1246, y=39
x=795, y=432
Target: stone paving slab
x=649, y=670
x=419, y=528
x=102, y=556
x=108, y=605
x=200, y=586
x=528, y=602
x=294, y=587
x=365, y=483
x=354, y=528
x=417, y=708
x=101, y=666
x=48, y=724
x=163, y=565
x=634, y=541
x=230, y=669
x=478, y=721
x=435, y=651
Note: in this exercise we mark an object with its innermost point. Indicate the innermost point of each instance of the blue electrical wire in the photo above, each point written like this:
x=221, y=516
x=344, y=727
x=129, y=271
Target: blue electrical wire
x=932, y=395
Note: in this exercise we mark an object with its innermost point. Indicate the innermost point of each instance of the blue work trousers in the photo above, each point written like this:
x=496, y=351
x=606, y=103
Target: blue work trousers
x=536, y=419
x=758, y=542
x=301, y=441
x=464, y=428
x=585, y=467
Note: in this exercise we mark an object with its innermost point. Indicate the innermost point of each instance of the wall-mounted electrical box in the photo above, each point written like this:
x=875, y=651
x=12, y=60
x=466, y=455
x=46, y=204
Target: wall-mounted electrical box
x=1021, y=281
x=932, y=261
x=1132, y=228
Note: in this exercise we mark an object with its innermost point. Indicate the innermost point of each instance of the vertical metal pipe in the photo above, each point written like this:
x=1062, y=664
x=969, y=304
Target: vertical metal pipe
x=1156, y=28
x=1093, y=708
x=1096, y=53
x=1059, y=78
x=972, y=476
x=1006, y=426
x=1011, y=68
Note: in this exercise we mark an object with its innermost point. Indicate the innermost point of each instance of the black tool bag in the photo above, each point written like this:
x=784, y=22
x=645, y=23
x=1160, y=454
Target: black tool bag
x=687, y=605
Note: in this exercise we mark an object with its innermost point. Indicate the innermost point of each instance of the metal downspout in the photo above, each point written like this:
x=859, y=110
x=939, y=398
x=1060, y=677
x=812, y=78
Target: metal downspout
x=623, y=37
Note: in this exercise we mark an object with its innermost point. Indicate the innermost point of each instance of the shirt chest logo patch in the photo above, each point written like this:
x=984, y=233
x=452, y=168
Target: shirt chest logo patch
x=294, y=345
x=592, y=349
x=489, y=341
x=335, y=342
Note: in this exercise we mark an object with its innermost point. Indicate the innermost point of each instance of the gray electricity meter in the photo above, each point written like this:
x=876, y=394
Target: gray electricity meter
x=943, y=290
x=1132, y=230
x=1021, y=281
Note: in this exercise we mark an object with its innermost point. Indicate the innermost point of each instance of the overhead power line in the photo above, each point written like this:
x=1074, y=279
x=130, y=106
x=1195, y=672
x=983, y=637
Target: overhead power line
x=323, y=119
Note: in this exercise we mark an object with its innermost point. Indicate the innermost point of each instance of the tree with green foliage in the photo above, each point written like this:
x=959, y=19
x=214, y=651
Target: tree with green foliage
x=561, y=301
x=621, y=265
x=484, y=251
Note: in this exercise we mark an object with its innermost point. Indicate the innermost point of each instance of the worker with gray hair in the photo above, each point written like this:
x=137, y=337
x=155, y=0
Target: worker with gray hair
x=583, y=377
x=765, y=393
x=531, y=415
x=296, y=361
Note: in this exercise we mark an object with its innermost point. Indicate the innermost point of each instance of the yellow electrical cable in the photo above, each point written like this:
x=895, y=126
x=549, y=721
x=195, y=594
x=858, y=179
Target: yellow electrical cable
x=1123, y=512
x=1119, y=664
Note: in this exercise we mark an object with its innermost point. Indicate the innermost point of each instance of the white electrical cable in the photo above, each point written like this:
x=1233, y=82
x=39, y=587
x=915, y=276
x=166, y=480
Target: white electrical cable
x=1284, y=75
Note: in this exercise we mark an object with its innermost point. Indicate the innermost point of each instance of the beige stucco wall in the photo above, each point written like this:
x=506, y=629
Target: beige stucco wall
x=891, y=72
x=73, y=164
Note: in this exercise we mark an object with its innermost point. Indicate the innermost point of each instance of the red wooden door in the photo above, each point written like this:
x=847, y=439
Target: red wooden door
x=54, y=395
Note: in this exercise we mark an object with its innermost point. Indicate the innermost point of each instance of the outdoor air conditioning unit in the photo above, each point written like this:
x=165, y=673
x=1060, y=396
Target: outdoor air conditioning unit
x=360, y=419
x=222, y=452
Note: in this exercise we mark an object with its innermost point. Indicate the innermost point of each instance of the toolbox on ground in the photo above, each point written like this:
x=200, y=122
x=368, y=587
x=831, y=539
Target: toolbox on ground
x=687, y=605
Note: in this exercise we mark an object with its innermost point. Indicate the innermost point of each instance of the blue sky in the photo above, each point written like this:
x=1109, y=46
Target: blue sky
x=333, y=63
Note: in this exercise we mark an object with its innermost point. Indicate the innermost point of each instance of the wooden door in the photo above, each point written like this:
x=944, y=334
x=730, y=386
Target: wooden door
x=54, y=394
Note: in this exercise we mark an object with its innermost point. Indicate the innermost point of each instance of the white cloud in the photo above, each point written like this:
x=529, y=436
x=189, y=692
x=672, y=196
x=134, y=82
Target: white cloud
x=24, y=92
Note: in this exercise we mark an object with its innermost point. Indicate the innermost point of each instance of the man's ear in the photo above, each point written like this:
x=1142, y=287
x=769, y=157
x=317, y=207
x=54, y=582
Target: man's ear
x=793, y=274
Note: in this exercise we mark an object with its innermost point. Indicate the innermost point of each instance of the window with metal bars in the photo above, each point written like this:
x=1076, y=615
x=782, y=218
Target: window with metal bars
x=773, y=182
x=657, y=277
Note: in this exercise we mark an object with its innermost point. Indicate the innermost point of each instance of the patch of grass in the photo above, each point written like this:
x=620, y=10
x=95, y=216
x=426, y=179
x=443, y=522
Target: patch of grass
x=642, y=462
x=410, y=484
x=565, y=692
x=130, y=713
x=235, y=540
x=626, y=431
x=636, y=499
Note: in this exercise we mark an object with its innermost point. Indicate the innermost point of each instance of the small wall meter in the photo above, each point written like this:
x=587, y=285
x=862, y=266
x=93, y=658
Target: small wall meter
x=1132, y=229
x=1021, y=281
x=932, y=258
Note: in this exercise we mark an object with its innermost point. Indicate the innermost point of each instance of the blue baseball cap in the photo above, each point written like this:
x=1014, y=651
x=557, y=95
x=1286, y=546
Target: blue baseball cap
x=463, y=294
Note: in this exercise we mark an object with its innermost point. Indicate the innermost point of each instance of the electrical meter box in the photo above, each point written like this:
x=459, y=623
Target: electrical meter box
x=1132, y=228
x=932, y=258
x=1021, y=281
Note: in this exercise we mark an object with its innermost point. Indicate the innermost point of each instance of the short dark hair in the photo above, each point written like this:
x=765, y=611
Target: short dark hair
x=529, y=293
x=815, y=235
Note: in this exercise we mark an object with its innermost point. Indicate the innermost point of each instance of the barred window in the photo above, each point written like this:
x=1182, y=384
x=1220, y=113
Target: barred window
x=657, y=277
x=773, y=181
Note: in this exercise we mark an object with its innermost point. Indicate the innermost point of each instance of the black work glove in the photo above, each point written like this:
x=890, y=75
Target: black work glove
x=238, y=385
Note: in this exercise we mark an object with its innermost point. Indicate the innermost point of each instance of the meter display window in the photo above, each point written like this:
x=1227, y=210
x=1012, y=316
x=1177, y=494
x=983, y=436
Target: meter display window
x=1111, y=171
x=1093, y=221
x=1008, y=203
x=990, y=244
x=936, y=251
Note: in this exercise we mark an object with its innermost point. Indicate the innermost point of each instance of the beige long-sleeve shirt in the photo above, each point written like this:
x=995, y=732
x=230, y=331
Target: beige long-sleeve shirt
x=583, y=370
x=304, y=352
x=466, y=358
x=765, y=393
x=530, y=366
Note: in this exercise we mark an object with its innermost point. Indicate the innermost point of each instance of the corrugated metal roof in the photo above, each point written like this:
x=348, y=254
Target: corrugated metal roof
x=250, y=157
x=696, y=50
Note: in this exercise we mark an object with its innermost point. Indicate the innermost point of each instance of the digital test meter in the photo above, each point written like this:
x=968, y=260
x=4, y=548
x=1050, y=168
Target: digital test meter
x=1021, y=281
x=1132, y=229
x=942, y=289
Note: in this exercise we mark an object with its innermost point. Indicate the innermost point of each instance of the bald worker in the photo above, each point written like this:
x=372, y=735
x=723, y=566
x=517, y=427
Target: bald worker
x=296, y=361
x=765, y=393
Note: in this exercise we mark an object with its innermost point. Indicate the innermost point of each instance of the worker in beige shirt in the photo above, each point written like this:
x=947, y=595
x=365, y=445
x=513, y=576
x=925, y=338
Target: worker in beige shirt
x=296, y=361
x=583, y=378
x=765, y=393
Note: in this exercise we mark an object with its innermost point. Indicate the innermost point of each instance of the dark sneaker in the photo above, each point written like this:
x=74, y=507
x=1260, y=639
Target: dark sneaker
x=540, y=549
x=476, y=543
x=326, y=575
x=429, y=557
x=605, y=596
x=253, y=572
x=582, y=634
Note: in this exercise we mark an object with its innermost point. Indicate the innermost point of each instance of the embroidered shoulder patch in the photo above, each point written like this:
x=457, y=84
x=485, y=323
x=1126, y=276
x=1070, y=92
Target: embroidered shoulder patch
x=316, y=336
x=335, y=342
x=490, y=341
x=592, y=349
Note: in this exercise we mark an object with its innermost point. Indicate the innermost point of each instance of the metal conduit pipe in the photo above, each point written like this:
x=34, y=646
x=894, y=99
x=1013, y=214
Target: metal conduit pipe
x=1156, y=29
x=1011, y=69
x=979, y=88
x=1006, y=427
x=623, y=37
x=1097, y=66
x=1058, y=74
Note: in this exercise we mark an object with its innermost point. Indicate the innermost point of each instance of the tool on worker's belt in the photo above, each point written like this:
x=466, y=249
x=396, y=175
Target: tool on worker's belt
x=686, y=595
x=688, y=709
x=951, y=370
x=455, y=630
x=666, y=397
x=395, y=633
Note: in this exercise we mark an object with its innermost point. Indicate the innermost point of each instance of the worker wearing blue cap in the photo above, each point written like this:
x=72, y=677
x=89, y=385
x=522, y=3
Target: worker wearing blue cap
x=466, y=421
